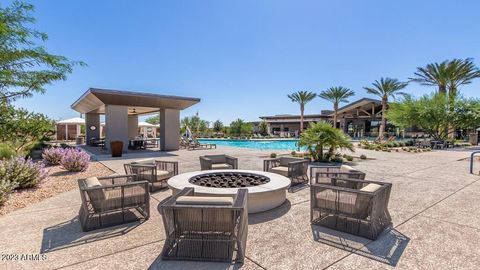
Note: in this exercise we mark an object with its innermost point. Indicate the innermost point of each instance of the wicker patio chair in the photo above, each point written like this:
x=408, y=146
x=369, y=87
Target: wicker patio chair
x=205, y=228
x=155, y=172
x=324, y=174
x=293, y=168
x=112, y=200
x=218, y=162
x=361, y=211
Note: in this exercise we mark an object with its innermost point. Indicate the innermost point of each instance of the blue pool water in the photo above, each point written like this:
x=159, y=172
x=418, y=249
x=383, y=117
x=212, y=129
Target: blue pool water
x=256, y=144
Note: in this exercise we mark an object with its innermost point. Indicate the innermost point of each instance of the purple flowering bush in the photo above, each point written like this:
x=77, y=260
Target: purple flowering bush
x=53, y=156
x=75, y=160
x=21, y=172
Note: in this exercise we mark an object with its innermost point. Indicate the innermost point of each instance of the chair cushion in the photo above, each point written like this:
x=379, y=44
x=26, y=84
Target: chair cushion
x=221, y=166
x=363, y=202
x=163, y=174
x=282, y=170
x=217, y=159
x=197, y=200
x=329, y=199
x=346, y=168
x=131, y=197
x=96, y=196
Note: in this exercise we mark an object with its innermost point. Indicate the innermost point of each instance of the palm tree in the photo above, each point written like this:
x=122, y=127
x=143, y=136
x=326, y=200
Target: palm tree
x=435, y=74
x=336, y=95
x=461, y=71
x=447, y=75
x=302, y=98
x=321, y=136
x=385, y=88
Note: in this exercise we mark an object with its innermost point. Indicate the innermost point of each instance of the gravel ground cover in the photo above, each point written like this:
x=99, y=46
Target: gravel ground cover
x=58, y=181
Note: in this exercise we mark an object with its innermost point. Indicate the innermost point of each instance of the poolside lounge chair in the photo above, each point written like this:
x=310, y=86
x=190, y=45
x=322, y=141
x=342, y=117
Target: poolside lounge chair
x=192, y=144
x=155, y=172
x=205, y=228
x=112, y=200
x=324, y=174
x=293, y=168
x=362, y=210
x=218, y=162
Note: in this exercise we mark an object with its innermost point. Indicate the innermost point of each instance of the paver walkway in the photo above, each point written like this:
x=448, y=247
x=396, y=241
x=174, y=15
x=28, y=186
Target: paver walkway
x=434, y=206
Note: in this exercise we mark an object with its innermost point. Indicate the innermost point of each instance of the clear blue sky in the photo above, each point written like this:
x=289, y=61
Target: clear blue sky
x=243, y=57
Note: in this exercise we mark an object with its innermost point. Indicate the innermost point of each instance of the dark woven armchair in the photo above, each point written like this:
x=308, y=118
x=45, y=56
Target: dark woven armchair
x=362, y=210
x=218, y=162
x=155, y=172
x=205, y=228
x=324, y=174
x=293, y=168
x=112, y=200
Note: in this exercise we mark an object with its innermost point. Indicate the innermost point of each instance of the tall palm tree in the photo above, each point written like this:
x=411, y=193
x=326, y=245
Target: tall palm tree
x=336, y=95
x=447, y=75
x=435, y=74
x=302, y=98
x=461, y=71
x=385, y=88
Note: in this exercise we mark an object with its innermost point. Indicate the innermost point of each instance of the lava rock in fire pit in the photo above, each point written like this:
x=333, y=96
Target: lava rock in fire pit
x=229, y=180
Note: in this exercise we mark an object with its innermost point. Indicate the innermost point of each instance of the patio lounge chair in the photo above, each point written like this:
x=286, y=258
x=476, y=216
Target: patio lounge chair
x=293, y=168
x=154, y=172
x=112, y=200
x=362, y=210
x=192, y=144
x=324, y=174
x=218, y=162
x=205, y=228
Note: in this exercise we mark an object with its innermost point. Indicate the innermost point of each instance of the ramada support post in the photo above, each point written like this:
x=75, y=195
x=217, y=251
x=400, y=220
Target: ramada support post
x=169, y=129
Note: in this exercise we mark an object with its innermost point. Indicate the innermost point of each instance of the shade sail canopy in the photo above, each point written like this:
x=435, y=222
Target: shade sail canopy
x=94, y=101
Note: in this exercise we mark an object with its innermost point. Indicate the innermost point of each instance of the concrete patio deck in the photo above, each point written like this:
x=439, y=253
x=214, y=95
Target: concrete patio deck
x=433, y=205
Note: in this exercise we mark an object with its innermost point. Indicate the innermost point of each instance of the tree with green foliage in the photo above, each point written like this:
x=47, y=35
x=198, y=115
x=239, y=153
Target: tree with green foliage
x=428, y=113
x=240, y=128
x=447, y=75
x=385, y=88
x=336, y=95
x=154, y=120
x=263, y=128
x=321, y=136
x=25, y=66
x=195, y=124
x=217, y=126
x=21, y=128
x=302, y=98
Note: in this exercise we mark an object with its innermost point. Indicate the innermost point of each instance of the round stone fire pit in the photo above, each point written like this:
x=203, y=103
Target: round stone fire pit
x=265, y=190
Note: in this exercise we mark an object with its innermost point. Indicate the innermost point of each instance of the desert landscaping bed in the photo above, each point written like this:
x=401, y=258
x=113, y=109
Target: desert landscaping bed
x=58, y=181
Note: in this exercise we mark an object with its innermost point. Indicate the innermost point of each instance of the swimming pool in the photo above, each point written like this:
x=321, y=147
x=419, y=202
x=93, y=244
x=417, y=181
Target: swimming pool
x=256, y=144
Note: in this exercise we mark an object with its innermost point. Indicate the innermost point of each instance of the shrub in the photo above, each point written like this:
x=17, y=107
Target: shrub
x=349, y=158
x=336, y=159
x=75, y=160
x=6, y=151
x=22, y=172
x=53, y=156
x=273, y=155
x=363, y=157
x=293, y=153
x=6, y=188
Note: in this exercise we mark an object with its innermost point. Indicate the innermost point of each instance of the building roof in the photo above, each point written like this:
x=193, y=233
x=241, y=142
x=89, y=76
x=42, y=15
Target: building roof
x=73, y=121
x=359, y=103
x=95, y=99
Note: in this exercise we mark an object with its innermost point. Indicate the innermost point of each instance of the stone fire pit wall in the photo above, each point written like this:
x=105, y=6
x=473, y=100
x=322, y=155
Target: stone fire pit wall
x=265, y=190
